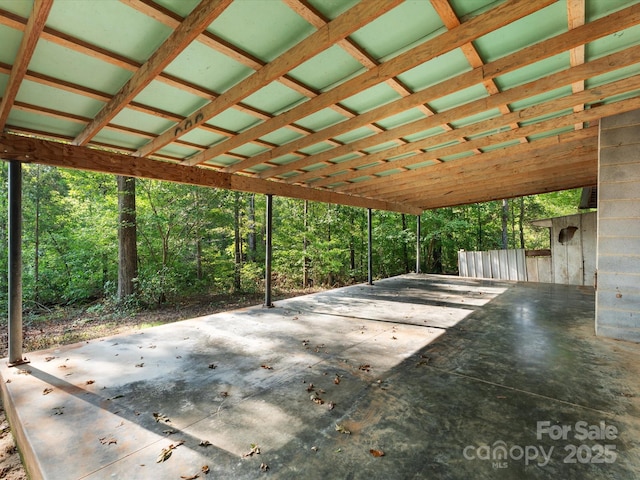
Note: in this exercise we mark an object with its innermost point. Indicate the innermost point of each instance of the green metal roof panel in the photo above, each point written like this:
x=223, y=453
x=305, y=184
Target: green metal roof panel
x=19, y=7
x=141, y=121
x=538, y=26
x=202, y=137
x=332, y=8
x=401, y=118
x=393, y=32
x=57, y=126
x=414, y=137
x=317, y=148
x=56, y=99
x=534, y=71
x=327, y=69
x=282, y=136
x=612, y=43
x=461, y=97
x=598, y=9
x=208, y=68
x=476, y=118
x=171, y=99
x=181, y=7
x=321, y=119
x=619, y=74
x=265, y=29
x=285, y=159
x=177, y=151
x=274, y=98
x=249, y=149
x=370, y=98
x=354, y=135
x=432, y=72
x=10, y=44
x=119, y=139
x=68, y=65
x=112, y=24
x=234, y=120
x=543, y=97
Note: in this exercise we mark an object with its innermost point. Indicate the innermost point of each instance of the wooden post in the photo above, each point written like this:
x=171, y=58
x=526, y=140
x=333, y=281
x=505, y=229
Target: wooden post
x=268, y=252
x=15, y=264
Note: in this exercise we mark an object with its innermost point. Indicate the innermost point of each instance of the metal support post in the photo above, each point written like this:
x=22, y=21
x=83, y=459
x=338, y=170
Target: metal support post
x=268, y=252
x=418, y=233
x=370, y=251
x=15, y=264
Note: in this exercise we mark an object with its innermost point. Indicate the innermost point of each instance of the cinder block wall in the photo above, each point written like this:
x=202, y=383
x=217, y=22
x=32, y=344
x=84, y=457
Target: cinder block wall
x=618, y=260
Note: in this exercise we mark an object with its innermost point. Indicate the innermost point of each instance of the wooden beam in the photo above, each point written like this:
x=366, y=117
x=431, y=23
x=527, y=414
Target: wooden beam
x=414, y=180
x=35, y=24
x=576, y=18
x=566, y=77
x=199, y=19
x=32, y=150
x=478, y=26
x=322, y=39
x=588, y=33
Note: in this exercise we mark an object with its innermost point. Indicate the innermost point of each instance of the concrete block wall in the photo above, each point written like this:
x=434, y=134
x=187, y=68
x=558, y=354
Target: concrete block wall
x=618, y=259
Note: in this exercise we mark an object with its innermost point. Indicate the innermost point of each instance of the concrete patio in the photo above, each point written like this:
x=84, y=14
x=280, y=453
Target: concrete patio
x=451, y=378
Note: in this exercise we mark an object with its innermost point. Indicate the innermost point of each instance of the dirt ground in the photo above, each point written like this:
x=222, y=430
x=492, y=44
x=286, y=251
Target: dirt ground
x=69, y=325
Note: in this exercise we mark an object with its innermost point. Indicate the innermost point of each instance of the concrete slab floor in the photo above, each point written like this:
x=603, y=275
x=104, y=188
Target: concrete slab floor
x=451, y=378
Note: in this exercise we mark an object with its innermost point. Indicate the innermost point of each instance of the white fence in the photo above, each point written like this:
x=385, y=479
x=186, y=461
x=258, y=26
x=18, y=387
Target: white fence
x=499, y=264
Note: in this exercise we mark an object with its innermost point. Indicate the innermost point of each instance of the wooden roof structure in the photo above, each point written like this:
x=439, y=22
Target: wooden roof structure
x=386, y=104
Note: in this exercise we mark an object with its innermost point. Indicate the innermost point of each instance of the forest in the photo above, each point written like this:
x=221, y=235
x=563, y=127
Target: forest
x=192, y=241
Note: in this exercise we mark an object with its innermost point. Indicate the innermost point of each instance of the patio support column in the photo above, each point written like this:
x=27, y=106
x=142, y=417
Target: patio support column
x=369, y=249
x=15, y=264
x=418, y=217
x=268, y=251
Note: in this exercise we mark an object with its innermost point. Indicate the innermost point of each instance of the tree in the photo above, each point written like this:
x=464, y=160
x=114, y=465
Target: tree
x=127, y=237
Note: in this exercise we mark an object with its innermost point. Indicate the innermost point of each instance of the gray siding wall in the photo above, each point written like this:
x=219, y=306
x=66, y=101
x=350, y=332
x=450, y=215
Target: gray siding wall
x=618, y=284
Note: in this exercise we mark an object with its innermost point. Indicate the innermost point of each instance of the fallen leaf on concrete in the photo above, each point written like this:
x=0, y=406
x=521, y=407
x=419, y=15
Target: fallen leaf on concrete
x=90, y=382
x=255, y=450
x=140, y=365
x=166, y=452
x=168, y=432
x=365, y=367
x=212, y=366
x=205, y=469
x=310, y=387
x=393, y=338
x=316, y=399
x=267, y=367
x=57, y=410
x=305, y=343
x=161, y=417
x=376, y=453
x=341, y=429
x=331, y=405
x=190, y=477
x=204, y=443
x=224, y=394
x=47, y=391
x=337, y=380
x=48, y=359
x=264, y=467
x=314, y=448
x=107, y=440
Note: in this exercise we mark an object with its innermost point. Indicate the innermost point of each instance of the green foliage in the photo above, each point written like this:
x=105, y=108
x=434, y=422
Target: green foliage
x=187, y=245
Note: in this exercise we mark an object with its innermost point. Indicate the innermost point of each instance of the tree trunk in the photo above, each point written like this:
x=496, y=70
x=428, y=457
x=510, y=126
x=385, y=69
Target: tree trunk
x=127, y=238
x=505, y=224
x=521, y=222
x=199, y=258
x=36, y=234
x=405, y=252
x=251, y=240
x=237, y=285
x=305, y=244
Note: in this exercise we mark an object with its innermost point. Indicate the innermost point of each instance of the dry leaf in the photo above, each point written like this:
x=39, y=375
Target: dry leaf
x=47, y=391
x=331, y=405
x=90, y=382
x=190, y=477
x=205, y=469
x=212, y=366
x=316, y=399
x=376, y=453
x=161, y=417
x=341, y=429
x=140, y=365
x=310, y=387
x=267, y=367
x=168, y=432
x=48, y=359
x=255, y=449
x=264, y=467
x=204, y=443
x=314, y=448
x=393, y=338
x=337, y=380
x=224, y=394
x=166, y=452
x=305, y=343
x=107, y=440
x=57, y=410
x=365, y=368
